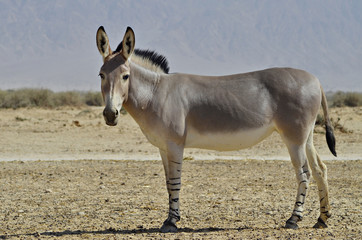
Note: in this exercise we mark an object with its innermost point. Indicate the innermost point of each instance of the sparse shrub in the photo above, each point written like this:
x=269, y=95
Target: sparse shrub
x=2, y=97
x=349, y=99
x=20, y=119
x=337, y=126
x=70, y=98
x=337, y=99
x=16, y=99
x=27, y=97
x=353, y=99
x=39, y=97
x=93, y=99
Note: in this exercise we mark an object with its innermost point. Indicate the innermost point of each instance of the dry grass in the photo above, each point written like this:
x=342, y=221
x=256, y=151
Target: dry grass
x=342, y=99
x=27, y=97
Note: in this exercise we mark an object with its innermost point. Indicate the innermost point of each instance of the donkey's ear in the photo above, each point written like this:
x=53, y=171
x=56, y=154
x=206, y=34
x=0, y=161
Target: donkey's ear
x=128, y=43
x=103, y=43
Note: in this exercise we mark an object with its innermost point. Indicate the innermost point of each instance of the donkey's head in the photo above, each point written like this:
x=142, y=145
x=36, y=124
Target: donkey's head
x=115, y=73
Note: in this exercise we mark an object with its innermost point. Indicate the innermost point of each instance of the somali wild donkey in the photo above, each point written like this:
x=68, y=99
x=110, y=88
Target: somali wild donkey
x=177, y=111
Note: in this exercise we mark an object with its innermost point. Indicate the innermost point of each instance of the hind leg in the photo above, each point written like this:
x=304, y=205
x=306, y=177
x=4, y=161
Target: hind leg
x=319, y=171
x=300, y=164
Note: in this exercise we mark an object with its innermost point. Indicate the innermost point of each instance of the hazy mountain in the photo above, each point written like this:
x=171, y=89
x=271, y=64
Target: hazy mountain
x=51, y=44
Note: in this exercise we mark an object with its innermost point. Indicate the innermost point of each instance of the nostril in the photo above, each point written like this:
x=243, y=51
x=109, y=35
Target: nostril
x=116, y=112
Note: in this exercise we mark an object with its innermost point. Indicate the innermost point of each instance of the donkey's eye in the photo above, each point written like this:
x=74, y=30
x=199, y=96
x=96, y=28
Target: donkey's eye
x=125, y=77
x=101, y=75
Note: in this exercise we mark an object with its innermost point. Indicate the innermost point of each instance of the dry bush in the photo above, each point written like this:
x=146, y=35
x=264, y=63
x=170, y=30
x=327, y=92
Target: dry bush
x=70, y=98
x=336, y=124
x=46, y=98
x=349, y=99
x=26, y=98
x=93, y=99
x=353, y=99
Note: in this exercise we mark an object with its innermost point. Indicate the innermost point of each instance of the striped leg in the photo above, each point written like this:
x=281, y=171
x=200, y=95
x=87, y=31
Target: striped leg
x=319, y=171
x=299, y=160
x=172, y=162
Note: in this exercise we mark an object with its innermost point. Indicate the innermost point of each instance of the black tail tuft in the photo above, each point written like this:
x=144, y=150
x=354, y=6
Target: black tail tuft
x=331, y=141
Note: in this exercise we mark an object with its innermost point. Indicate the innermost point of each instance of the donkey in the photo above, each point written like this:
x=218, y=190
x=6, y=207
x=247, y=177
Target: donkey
x=177, y=111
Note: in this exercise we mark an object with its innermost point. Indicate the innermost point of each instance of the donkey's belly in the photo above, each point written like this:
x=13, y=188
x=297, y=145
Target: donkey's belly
x=227, y=141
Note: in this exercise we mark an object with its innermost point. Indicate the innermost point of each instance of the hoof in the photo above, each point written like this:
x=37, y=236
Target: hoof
x=168, y=227
x=292, y=222
x=291, y=225
x=320, y=224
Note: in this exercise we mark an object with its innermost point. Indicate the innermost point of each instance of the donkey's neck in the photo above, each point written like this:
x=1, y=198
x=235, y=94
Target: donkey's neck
x=142, y=85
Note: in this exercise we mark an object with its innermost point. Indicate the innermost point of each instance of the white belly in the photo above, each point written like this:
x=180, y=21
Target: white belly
x=227, y=141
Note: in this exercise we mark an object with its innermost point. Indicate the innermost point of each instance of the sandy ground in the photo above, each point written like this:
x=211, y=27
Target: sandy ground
x=104, y=194
x=80, y=133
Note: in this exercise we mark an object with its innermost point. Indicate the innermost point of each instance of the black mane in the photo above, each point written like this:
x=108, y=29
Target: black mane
x=155, y=58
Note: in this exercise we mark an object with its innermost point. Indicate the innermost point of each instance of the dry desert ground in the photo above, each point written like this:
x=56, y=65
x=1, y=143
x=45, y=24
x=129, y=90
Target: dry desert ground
x=64, y=174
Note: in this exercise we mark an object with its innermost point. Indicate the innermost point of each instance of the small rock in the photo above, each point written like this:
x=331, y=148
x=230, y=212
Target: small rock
x=77, y=123
x=81, y=213
x=48, y=191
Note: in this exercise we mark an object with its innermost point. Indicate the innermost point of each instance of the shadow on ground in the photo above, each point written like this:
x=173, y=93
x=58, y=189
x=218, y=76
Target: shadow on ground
x=115, y=231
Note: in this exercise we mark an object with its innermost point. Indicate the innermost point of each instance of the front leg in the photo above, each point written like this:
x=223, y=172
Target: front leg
x=172, y=162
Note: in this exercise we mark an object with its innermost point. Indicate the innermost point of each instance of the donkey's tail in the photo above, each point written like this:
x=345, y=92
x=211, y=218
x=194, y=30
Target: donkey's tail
x=331, y=141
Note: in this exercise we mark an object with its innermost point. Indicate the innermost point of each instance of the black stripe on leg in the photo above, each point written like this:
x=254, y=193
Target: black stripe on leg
x=173, y=184
x=173, y=215
x=304, y=181
x=298, y=216
x=174, y=210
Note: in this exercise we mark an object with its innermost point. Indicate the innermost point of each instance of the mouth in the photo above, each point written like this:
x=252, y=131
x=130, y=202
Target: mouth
x=111, y=123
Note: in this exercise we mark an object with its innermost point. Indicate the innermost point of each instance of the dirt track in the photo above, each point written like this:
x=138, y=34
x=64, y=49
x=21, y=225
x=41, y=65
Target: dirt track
x=111, y=199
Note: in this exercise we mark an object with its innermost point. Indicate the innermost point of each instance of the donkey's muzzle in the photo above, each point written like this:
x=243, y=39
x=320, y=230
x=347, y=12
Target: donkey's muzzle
x=111, y=116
